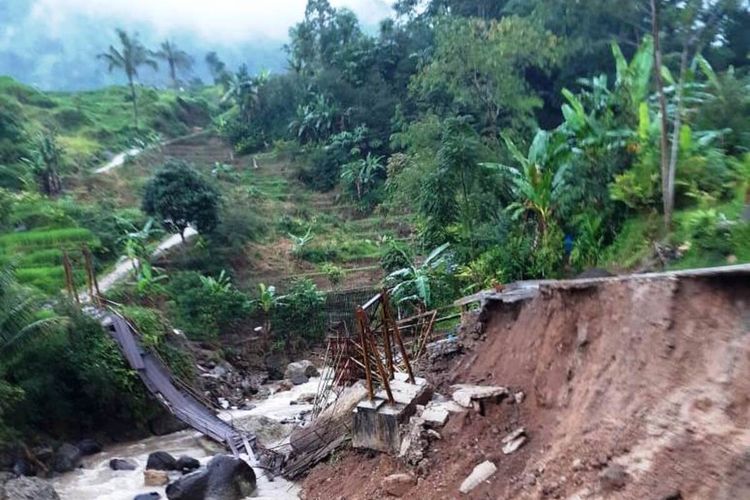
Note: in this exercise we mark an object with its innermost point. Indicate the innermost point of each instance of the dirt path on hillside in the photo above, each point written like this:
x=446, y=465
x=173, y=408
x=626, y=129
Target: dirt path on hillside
x=125, y=265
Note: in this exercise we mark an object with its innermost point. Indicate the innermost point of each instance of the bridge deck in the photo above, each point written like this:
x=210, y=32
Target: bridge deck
x=157, y=378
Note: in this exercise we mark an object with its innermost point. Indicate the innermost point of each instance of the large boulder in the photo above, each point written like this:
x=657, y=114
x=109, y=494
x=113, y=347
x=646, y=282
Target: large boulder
x=161, y=460
x=187, y=464
x=164, y=424
x=67, y=457
x=89, y=446
x=300, y=371
x=28, y=488
x=122, y=464
x=225, y=478
x=275, y=363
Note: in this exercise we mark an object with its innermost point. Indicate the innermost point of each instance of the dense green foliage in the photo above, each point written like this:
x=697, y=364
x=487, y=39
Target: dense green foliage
x=513, y=140
x=179, y=197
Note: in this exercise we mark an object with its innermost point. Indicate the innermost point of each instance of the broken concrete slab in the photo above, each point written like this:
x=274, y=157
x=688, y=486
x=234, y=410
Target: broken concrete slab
x=435, y=416
x=465, y=394
x=481, y=473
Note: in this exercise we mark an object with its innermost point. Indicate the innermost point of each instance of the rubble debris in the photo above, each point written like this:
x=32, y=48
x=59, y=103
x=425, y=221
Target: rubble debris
x=414, y=442
x=466, y=395
x=518, y=397
x=481, y=473
x=514, y=440
x=397, y=485
x=435, y=416
x=613, y=478
x=153, y=477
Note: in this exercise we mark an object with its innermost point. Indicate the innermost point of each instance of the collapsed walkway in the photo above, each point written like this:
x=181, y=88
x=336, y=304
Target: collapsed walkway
x=171, y=393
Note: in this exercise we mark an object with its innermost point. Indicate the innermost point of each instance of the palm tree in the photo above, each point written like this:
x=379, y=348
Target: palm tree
x=21, y=314
x=45, y=161
x=131, y=55
x=176, y=58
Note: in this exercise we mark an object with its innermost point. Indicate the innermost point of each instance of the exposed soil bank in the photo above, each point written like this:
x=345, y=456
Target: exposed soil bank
x=651, y=375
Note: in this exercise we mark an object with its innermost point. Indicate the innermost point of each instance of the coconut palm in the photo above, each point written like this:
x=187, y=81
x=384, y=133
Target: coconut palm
x=175, y=58
x=128, y=58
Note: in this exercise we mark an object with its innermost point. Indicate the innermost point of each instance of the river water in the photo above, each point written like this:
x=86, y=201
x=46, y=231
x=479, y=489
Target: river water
x=96, y=481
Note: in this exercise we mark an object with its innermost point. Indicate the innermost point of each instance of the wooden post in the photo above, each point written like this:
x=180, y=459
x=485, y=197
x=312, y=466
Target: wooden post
x=399, y=340
x=365, y=354
x=69, y=282
x=90, y=274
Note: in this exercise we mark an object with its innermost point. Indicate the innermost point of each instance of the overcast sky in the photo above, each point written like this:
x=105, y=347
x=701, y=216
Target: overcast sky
x=53, y=44
x=217, y=21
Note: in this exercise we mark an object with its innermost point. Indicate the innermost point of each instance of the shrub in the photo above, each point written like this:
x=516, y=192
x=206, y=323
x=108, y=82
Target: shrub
x=204, y=307
x=334, y=274
x=396, y=256
x=300, y=319
x=709, y=231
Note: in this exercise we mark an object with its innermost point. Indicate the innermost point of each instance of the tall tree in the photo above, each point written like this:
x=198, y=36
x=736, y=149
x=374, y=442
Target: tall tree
x=128, y=58
x=695, y=24
x=175, y=58
x=479, y=68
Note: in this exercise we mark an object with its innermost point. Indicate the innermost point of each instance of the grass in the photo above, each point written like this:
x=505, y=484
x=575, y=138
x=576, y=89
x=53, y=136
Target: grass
x=47, y=237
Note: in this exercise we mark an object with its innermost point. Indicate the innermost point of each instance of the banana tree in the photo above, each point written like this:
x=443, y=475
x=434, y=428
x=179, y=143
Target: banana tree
x=267, y=301
x=413, y=284
x=45, y=162
x=361, y=174
x=135, y=241
x=537, y=182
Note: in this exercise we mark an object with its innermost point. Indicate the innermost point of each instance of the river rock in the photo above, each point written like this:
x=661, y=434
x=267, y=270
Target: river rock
x=161, y=460
x=155, y=477
x=148, y=496
x=28, y=488
x=275, y=363
x=121, y=464
x=225, y=478
x=66, y=458
x=89, y=446
x=398, y=485
x=295, y=373
x=187, y=464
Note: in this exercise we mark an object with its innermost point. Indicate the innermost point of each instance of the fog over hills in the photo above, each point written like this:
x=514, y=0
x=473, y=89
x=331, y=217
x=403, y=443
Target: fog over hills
x=52, y=44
